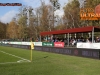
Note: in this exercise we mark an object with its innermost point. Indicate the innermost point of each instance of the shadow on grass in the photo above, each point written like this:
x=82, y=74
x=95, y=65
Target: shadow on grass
x=41, y=58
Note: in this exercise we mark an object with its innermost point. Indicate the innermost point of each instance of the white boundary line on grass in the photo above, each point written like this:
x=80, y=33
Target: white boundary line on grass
x=22, y=59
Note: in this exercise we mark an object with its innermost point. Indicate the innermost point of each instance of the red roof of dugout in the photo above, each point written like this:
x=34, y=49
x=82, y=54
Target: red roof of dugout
x=73, y=30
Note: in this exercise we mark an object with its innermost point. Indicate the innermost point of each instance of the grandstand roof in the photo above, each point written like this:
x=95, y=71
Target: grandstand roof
x=73, y=30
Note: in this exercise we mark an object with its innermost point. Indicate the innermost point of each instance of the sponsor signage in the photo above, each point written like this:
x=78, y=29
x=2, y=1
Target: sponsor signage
x=89, y=45
x=48, y=44
x=90, y=13
x=38, y=43
x=58, y=44
x=24, y=43
x=88, y=53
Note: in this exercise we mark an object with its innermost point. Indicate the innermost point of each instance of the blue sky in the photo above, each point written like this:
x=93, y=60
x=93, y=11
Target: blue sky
x=8, y=12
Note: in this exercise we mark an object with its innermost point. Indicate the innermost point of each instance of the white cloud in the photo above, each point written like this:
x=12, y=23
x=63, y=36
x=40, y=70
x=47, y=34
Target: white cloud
x=33, y=3
x=37, y=3
x=28, y=1
x=8, y=16
x=59, y=12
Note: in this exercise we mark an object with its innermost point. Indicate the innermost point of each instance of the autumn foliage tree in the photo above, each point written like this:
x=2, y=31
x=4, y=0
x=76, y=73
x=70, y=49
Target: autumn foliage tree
x=71, y=16
x=43, y=19
x=3, y=27
x=12, y=30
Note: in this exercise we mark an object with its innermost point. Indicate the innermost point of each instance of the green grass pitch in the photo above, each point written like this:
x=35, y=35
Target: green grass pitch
x=45, y=63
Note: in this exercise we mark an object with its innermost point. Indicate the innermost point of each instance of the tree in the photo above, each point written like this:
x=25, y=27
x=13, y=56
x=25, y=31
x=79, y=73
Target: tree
x=22, y=23
x=22, y=26
x=3, y=27
x=12, y=31
x=71, y=17
x=46, y=17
